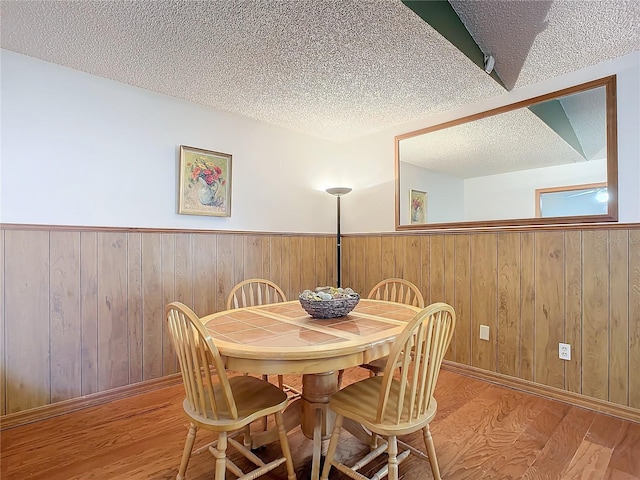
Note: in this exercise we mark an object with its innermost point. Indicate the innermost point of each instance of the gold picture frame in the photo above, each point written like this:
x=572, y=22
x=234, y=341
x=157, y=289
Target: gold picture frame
x=205, y=182
x=418, y=206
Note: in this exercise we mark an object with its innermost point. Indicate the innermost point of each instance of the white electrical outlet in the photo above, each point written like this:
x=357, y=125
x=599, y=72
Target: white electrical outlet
x=564, y=351
x=484, y=332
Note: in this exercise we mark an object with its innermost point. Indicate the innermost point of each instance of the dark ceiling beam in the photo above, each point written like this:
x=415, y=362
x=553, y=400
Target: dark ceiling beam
x=444, y=19
x=553, y=114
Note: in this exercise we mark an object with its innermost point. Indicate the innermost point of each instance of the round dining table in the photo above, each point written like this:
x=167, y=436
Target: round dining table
x=281, y=338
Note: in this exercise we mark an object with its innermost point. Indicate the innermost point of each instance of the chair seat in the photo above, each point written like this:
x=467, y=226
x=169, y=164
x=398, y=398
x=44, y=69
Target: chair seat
x=254, y=398
x=359, y=401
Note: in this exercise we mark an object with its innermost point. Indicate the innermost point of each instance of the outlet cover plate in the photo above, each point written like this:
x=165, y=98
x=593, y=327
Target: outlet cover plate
x=564, y=351
x=484, y=332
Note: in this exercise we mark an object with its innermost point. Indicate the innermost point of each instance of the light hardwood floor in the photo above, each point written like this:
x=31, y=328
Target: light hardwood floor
x=482, y=431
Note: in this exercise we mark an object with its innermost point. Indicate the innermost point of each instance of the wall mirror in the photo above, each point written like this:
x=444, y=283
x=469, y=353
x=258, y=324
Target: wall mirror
x=488, y=169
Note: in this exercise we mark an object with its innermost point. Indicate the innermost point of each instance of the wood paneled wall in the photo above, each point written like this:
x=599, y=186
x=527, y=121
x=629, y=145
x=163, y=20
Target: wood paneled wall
x=534, y=289
x=83, y=310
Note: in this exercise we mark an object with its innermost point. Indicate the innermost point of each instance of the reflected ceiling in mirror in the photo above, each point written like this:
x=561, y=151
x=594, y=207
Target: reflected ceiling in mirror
x=484, y=170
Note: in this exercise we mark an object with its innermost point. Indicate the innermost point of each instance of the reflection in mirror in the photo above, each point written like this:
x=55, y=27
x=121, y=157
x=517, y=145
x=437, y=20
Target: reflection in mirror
x=572, y=200
x=485, y=169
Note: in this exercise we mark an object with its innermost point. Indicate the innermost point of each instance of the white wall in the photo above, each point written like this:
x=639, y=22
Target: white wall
x=512, y=195
x=82, y=150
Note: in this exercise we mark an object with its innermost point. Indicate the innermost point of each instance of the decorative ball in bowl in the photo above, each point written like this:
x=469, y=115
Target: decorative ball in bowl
x=329, y=302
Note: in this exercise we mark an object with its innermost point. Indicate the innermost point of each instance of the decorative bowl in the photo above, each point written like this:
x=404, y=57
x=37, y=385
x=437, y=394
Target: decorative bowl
x=339, y=305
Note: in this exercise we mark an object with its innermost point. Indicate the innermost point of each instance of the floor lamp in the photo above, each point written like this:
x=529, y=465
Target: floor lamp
x=338, y=192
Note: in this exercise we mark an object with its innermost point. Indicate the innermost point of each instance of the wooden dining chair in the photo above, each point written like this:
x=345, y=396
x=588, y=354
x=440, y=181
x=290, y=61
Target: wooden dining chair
x=227, y=406
x=393, y=290
x=255, y=291
x=259, y=291
x=390, y=406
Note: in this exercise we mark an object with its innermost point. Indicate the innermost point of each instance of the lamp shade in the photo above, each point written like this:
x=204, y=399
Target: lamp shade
x=338, y=191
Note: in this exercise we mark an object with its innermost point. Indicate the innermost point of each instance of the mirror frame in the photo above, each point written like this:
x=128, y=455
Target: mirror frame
x=612, y=161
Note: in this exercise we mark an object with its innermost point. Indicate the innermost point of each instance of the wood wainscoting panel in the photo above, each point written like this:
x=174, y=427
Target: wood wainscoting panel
x=308, y=263
x=3, y=367
x=462, y=299
x=276, y=265
x=330, y=270
x=373, y=267
x=168, y=276
x=89, y=311
x=528, y=307
x=358, y=270
x=449, y=285
x=27, y=330
x=65, y=341
x=425, y=265
x=634, y=318
x=595, y=324
x=295, y=264
x=113, y=331
x=388, y=258
x=238, y=262
x=535, y=289
x=83, y=308
x=549, y=313
x=152, y=306
x=347, y=259
x=184, y=268
x=436, y=269
x=484, y=307
x=412, y=255
x=509, y=285
x=225, y=260
x=619, y=316
x=285, y=258
x=253, y=268
x=135, y=307
x=96, y=297
x=204, y=254
x=573, y=309
x=320, y=257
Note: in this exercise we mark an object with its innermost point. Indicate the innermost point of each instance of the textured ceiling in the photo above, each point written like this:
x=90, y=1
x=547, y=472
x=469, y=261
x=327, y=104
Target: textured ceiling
x=333, y=69
x=511, y=141
x=536, y=40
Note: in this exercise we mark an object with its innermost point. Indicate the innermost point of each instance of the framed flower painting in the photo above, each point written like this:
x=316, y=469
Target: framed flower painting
x=205, y=182
x=418, y=205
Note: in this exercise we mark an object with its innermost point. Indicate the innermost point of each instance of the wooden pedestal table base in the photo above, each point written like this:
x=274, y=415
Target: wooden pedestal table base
x=311, y=412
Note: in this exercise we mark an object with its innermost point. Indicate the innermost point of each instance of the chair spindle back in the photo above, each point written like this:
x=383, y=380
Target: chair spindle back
x=420, y=349
x=397, y=290
x=255, y=291
x=199, y=358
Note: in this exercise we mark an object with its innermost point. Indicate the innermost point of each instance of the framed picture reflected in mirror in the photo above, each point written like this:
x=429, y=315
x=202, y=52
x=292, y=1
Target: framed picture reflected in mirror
x=418, y=206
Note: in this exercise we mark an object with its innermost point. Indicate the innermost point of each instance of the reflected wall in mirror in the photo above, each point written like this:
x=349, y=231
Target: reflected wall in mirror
x=485, y=169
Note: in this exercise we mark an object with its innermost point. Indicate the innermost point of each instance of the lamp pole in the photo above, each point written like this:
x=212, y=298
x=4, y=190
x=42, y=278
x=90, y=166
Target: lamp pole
x=338, y=192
